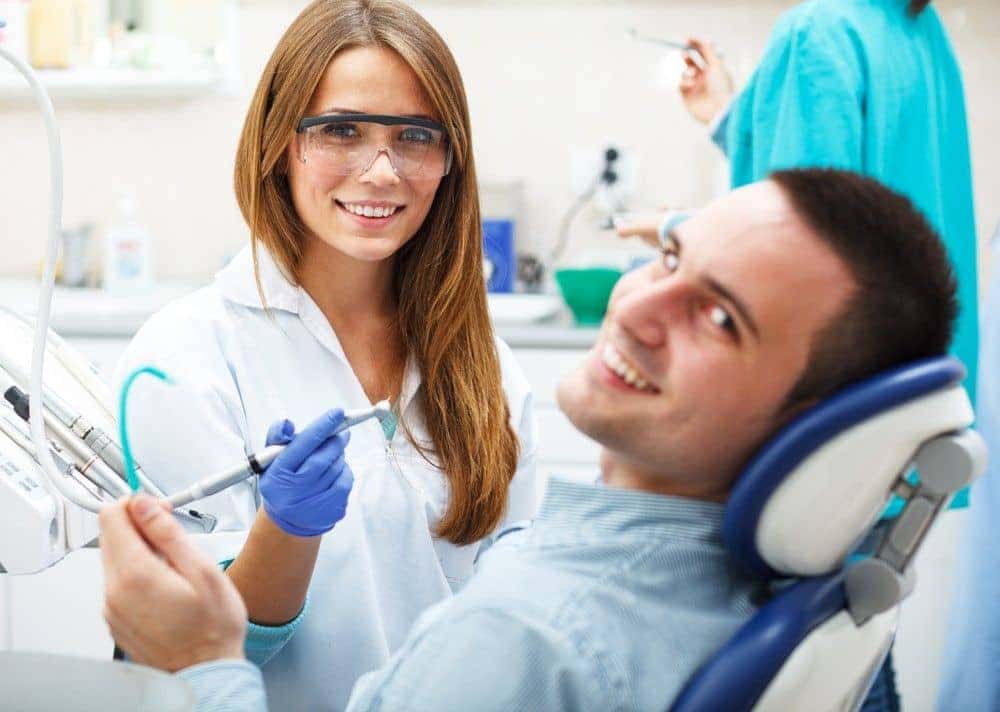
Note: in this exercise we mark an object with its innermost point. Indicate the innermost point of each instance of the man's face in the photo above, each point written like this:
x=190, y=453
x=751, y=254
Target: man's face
x=700, y=348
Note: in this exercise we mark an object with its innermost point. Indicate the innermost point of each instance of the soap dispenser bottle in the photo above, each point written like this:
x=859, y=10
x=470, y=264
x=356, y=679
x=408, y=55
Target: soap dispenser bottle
x=128, y=258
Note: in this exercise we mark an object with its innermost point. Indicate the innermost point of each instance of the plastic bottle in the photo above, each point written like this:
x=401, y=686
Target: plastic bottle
x=50, y=33
x=128, y=251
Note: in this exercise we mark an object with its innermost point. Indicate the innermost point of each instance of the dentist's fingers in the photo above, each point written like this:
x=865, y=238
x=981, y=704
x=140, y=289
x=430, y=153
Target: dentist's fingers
x=166, y=536
x=328, y=453
x=309, y=440
x=706, y=50
x=280, y=433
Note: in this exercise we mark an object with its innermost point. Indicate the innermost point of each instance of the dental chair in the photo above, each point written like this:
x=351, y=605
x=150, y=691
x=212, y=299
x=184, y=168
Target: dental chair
x=796, y=518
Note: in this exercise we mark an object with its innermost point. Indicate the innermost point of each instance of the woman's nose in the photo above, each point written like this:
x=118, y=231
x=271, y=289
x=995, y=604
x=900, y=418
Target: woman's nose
x=380, y=171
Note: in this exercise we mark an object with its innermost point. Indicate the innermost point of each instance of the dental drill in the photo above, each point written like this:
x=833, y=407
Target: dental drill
x=258, y=462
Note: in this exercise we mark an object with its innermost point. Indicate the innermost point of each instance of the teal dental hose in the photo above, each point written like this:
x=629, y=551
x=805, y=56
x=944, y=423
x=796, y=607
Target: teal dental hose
x=133, y=479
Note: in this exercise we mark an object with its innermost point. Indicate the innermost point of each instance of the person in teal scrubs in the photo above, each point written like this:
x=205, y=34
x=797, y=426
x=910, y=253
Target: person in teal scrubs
x=866, y=85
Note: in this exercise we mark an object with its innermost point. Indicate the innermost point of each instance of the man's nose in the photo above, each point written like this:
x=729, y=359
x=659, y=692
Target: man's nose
x=647, y=312
x=380, y=171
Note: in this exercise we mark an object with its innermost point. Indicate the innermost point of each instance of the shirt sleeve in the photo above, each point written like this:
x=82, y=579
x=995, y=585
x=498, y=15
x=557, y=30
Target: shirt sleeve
x=807, y=100
x=718, y=127
x=484, y=660
x=226, y=686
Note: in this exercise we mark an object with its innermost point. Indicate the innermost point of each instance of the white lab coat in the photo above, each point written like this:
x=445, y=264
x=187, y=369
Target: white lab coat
x=237, y=371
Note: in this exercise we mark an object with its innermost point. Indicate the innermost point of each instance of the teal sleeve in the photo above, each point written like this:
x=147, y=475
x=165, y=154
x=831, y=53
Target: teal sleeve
x=802, y=108
x=263, y=642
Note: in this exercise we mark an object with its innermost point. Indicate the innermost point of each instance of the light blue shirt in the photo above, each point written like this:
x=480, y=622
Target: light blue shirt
x=971, y=677
x=610, y=600
x=863, y=86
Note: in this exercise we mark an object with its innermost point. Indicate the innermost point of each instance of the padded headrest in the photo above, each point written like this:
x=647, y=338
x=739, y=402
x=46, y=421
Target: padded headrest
x=809, y=494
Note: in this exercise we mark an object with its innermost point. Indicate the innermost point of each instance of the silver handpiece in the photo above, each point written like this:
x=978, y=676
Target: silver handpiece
x=69, y=469
x=95, y=438
x=259, y=461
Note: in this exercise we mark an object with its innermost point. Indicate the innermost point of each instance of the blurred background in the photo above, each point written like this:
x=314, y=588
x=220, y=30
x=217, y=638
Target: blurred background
x=152, y=100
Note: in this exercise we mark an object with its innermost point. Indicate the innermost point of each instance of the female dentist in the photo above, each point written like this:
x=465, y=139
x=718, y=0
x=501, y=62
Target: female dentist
x=362, y=282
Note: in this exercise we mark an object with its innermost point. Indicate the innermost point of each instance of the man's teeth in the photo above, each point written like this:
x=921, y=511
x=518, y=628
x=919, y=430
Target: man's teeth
x=617, y=363
x=368, y=211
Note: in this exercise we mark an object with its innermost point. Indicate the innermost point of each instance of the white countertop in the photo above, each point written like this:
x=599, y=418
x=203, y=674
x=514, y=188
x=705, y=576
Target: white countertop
x=92, y=313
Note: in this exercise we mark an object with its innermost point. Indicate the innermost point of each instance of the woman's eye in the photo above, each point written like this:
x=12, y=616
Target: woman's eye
x=416, y=135
x=340, y=131
x=720, y=317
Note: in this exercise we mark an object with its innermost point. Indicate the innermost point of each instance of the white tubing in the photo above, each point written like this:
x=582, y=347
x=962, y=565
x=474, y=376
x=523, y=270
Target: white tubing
x=51, y=472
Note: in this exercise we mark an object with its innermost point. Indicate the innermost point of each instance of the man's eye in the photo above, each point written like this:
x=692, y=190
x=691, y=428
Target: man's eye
x=720, y=317
x=671, y=260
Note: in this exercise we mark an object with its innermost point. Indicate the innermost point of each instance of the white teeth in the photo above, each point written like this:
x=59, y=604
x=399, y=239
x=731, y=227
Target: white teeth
x=617, y=363
x=370, y=212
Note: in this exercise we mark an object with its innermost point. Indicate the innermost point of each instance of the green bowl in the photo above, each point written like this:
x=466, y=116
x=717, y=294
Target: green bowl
x=586, y=291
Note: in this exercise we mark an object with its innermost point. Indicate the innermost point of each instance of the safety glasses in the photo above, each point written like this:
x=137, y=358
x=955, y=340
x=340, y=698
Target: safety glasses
x=348, y=144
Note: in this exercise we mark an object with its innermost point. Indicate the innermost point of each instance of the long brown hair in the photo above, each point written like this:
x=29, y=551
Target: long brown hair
x=443, y=317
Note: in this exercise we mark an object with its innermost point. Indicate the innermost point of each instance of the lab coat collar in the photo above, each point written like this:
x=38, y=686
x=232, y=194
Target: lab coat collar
x=236, y=282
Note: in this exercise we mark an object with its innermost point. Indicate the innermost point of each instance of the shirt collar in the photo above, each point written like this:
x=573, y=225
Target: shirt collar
x=572, y=505
x=236, y=282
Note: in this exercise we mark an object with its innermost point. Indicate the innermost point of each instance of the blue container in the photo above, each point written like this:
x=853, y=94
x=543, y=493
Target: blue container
x=499, y=257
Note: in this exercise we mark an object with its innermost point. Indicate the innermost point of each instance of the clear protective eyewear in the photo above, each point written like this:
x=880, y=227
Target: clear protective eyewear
x=347, y=144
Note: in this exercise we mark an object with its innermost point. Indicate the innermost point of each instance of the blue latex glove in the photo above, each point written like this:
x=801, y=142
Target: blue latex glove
x=305, y=489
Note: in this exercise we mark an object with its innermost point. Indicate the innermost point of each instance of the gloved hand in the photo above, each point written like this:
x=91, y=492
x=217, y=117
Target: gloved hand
x=305, y=489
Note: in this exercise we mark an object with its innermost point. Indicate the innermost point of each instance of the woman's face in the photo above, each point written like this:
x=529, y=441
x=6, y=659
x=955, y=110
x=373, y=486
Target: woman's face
x=362, y=80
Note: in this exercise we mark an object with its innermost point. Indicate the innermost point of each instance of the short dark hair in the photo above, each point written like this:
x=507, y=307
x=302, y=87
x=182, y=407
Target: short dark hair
x=918, y=6
x=904, y=304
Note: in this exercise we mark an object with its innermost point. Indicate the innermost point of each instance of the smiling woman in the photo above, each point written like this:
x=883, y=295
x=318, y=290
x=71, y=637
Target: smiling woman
x=362, y=281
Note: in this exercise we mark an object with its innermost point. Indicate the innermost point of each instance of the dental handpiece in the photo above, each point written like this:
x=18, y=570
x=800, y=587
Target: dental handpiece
x=95, y=438
x=259, y=461
x=86, y=461
x=92, y=467
x=64, y=465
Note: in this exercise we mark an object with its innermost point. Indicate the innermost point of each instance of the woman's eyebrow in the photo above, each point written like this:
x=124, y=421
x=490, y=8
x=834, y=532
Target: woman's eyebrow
x=342, y=110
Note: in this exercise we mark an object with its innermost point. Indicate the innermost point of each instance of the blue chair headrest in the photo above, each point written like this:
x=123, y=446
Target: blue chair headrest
x=815, y=488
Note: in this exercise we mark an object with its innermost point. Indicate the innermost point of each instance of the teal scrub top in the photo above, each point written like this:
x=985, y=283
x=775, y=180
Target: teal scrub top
x=864, y=86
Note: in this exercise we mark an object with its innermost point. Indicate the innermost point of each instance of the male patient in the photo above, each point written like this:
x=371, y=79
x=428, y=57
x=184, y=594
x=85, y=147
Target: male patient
x=768, y=300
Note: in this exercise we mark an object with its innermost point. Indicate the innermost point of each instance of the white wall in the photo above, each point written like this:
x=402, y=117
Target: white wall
x=541, y=76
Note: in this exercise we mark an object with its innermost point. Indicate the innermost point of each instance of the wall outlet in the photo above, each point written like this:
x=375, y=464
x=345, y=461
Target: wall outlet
x=589, y=164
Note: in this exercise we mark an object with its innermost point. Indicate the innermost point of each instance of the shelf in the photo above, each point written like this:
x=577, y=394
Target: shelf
x=119, y=84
